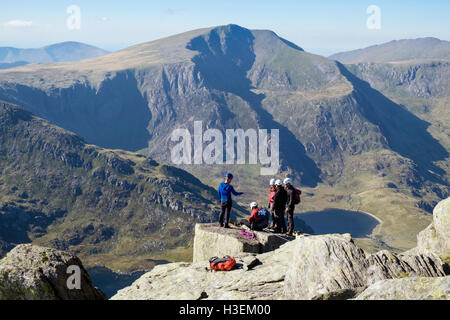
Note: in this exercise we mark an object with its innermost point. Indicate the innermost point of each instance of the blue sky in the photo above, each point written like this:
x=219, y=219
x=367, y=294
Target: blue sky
x=322, y=26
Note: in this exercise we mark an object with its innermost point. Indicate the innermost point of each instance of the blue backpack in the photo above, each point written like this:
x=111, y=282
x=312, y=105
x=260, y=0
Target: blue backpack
x=263, y=218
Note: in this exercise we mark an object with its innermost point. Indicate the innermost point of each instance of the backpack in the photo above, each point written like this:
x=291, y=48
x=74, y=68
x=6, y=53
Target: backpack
x=225, y=264
x=263, y=218
x=297, y=195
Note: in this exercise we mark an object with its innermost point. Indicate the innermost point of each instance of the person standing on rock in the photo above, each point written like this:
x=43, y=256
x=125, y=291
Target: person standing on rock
x=225, y=191
x=292, y=200
x=273, y=190
x=279, y=207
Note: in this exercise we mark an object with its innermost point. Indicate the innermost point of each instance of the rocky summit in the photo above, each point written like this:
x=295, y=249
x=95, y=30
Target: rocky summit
x=36, y=273
x=309, y=267
x=210, y=240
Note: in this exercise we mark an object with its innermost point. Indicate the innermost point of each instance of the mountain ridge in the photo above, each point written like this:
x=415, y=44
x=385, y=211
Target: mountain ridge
x=398, y=50
x=67, y=51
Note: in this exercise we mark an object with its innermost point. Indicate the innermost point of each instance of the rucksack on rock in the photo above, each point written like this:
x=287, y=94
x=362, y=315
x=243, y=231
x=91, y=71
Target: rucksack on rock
x=297, y=195
x=225, y=264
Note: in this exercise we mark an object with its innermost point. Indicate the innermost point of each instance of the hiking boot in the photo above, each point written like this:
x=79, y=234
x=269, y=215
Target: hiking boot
x=227, y=226
x=221, y=225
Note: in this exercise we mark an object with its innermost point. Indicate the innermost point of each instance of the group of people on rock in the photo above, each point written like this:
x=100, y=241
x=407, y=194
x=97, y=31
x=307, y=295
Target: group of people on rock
x=283, y=198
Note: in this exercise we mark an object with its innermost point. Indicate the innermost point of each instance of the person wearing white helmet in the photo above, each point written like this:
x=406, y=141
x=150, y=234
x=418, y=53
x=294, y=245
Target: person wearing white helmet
x=292, y=200
x=279, y=206
x=257, y=221
x=272, y=192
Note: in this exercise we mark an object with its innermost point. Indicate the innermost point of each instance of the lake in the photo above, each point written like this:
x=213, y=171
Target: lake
x=358, y=224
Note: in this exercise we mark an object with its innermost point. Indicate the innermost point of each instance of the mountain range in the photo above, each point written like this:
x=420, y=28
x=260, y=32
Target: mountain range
x=369, y=136
x=11, y=57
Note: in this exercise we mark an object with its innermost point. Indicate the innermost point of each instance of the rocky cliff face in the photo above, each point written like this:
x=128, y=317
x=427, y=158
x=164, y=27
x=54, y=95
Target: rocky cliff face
x=408, y=289
x=36, y=273
x=436, y=238
x=309, y=267
x=416, y=79
x=227, y=77
x=324, y=265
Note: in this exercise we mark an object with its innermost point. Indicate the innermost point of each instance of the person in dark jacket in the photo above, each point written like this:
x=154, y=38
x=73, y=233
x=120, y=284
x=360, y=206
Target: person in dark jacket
x=290, y=205
x=279, y=207
x=225, y=191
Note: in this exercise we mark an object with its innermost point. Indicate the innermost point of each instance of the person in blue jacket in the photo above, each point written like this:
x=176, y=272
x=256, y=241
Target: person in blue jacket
x=225, y=191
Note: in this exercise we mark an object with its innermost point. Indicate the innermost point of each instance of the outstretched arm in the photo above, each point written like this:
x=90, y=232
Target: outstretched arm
x=235, y=192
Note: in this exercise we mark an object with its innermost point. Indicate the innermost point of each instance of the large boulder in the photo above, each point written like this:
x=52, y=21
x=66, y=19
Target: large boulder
x=36, y=273
x=436, y=238
x=334, y=264
x=415, y=288
x=212, y=241
x=256, y=277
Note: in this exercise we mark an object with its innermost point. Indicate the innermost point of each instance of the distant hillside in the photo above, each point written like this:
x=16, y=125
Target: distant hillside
x=107, y=206
x=398, y=50
x=12, y=64
x=59, y=52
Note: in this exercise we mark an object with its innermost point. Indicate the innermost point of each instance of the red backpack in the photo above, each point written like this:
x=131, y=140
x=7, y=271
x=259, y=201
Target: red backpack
x=225, y=264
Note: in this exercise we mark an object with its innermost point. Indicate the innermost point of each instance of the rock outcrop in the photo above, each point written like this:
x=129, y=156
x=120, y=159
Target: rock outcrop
x=256, y=277
x=36, y=273
x=310, y=267
x=436, y=238
x=322, y=265
x=212, y=241
x=417, y=288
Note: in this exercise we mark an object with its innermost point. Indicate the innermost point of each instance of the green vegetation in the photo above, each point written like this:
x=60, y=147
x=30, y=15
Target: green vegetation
x=114, y=208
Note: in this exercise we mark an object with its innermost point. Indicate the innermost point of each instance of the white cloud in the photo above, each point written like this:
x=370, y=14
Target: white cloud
x=104, y=19
x=18, y=23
